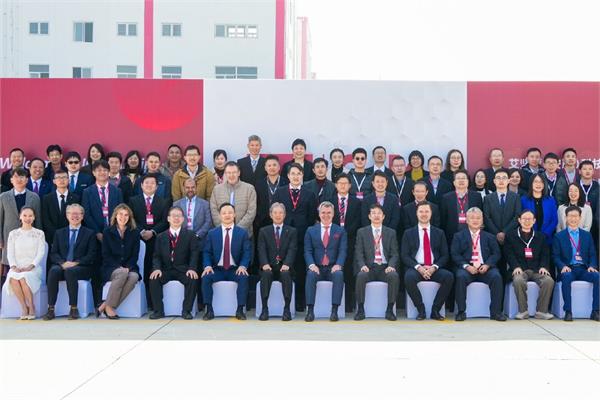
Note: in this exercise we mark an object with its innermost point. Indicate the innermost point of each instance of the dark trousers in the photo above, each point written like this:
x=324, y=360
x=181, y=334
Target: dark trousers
x=579, y=274
x=442, y=276
x=156, y=289
x=349, y=277
x=148, y=268
x=377, y=273
x=492, y=278
x=324, y=274
x=71, y=275
x=97, y=282
x=266, y=279
x=300, y=277
x=222, y=274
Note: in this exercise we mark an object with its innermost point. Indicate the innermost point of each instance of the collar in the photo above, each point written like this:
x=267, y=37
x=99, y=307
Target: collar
x=74, y=227
x=573, y=231
x=252, y=158
x=100, y=187
x=76, y=174
x=292, y=187
x=373, y=227
x=376, y=168
x=174, y=231
x=146, y=196
x=280, y=227
x=328, y=226
x=223, y=227
x=23, y=192
x=343, y=195
x=39, y=180
x=474, y=232
x=66, y=193
x=428, y=226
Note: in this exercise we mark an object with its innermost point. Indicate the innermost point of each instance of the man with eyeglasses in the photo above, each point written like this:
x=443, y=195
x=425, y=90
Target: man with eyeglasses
x=54, y=205
x=456, y=203
x=78, y=181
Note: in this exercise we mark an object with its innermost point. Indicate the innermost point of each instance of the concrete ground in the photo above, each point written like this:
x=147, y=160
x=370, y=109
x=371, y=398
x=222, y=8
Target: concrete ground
x=229, y=359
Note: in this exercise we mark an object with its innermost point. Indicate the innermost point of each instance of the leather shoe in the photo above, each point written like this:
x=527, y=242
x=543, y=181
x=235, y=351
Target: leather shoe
x=287, y=315
x=421, y=315
x=334, y=316
x=359, y=316
x=595, y=316
x=264, y=315
x=310, y=316
x=436, y=315
x=390, y=316
x=568, y=316
x=461, y=316
x=499, y=317
x=187, y=315
x=240, y=314
x=156, y=315
x=49, y=315
x=208, y=314
x=73, y=313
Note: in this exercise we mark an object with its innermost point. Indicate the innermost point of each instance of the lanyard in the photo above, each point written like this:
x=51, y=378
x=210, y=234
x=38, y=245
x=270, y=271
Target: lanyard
x=577, y=246
x=476, y=242
x=399, y=191
x=530, y=240
x=359, y=185
x=586, y=192
x=275, y=186
x=569, y=181
x=462, y=202
x=294, y=203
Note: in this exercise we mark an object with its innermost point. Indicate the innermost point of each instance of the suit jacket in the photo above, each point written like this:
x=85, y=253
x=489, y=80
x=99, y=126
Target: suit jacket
x=49, y=171
x=489, y=179
x=563, y=252
x=160, y=208
x=560, y=190
x=267, y=247
x=364, y=250
x=186, y=255
x=117, y=252
x=514, y=252
x=336, y=250
x=404, y=192
x=443, y=187
x=5, y=184
x=241, y=247
x=52, y=217
x=308, y=171
x=46, y=187
x=93, y=206
x=263, y=203
x=202, y=221
x=82, y=182
x=548, y=225
x=497, y=219
x=386, y=171
x=126, y=187
x=163, y=188
x=85, y=247
x=244, y=199
x=352, y=221
x=305, y=213
x=323, y=193
x=409, y=215
x=9, y=216
x=449, y=211
x=247, y=174
x=411, y=244
x=391, y=209
x=365, y=183
x=462, y=248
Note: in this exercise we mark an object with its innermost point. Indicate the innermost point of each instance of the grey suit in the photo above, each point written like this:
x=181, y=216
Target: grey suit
x=501, y=219
x=9, y=216
x=201, y=221
x=364, y=255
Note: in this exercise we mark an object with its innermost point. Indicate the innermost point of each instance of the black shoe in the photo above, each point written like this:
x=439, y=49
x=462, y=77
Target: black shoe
x=73, y=313
x=421, y=314
x=208, y=314
x=360, y=315
x=461, y=316
x=499, y=317
x=334, y=314
x=110, y=316
x=287, y=315
x=49, y=315
x=568, y=316
x=187, y=315
x=239, y=314
x=595, y=316
x=156, y=315
x=390, y=316
x=264, y=315
x=310, y=315
x=435, y=314
x=200, y=307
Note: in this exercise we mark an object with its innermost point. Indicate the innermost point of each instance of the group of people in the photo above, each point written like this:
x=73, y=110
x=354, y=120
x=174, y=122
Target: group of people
x=299, y=223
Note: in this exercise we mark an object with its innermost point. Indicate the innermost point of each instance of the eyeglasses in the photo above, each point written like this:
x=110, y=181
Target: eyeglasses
x=360, y=158
x=72, y=162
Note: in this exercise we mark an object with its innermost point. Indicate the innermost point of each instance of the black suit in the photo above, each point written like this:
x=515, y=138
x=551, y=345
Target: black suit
x=443, y=187
x=247, y=174
x=117, y=252
x=322, y=193
x=53, y=217
x=126, y=187
x=489, y=179
x=263, y=203
x=403, y=190
x=391, y=210
x=308, y=171
x=409, y=215
x=84, y=253
x=450, y=210
x=275, y=257
x=186, y=257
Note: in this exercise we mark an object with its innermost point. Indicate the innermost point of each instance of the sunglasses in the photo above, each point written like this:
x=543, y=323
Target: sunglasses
x=359, y=158
x=72, y=162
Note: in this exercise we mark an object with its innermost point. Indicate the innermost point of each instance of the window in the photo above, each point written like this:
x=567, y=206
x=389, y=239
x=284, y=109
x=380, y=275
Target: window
x=171, y=29
x=171, y=72
x=126, y=71
x=39, y=71
x=252, y=31
x=38, y=28
x=83, y=32
x=82, y=72
x=236, y=31
x=127, y=29
x=223, y=72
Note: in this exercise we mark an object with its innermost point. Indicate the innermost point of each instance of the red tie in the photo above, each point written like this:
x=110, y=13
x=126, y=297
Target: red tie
x=226, y=251
x=325, y=260
x=426, y=248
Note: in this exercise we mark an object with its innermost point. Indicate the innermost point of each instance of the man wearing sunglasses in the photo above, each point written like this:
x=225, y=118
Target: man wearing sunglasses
x=78, y=181
x=359, y=177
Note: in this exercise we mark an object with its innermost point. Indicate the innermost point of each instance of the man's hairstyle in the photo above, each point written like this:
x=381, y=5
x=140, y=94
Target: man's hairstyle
x=53, y=147
x=551, y=156
x=17, y=149
x=572, y=208
x=36, y=159
x=175, y=208
x=585, y=162
x=320, y=160
x=77, y=206
x=298, y=142
x=231, y=164
x=276, y=205
x=152, y=154
x=226, y=205
x=297, y=166
x=461, y=171
x=377, y=148
x=72, y=154
x=493, y=149
x=100, y=164
x=423, y=204
x=114, y=154
x=271, y=157
x=525, y=212
x=326, y=204
x=398, y=158
x=375, y=206
x=254, y=138
x=421, y=183
x=532, y=149
x=190, y=148
x=19, y=172
x=435, y=158
x=380, y=174
x=501, y=171
x=174, y=145
x=343, y=175
x=359, y=150
x=474, y=210
x=568, y=149
x=151, y=175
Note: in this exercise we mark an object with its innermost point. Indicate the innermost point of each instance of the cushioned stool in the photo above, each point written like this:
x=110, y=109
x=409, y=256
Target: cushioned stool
x=276, y=301
x=376, y=299
x=323, y=301
x=581, y=299
x=478, y=300
x=85, y=300
x=428, y=291
x=224, y=298
x=173, y=293
x=12, y=309
x=511, y=306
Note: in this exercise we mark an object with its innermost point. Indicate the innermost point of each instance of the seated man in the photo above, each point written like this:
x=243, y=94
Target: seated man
x=226, y=257
x=175, y=258
x=425, y=256
x=72, y=258
x=325, y=248
x=377, y=258
x=528, y=258
x=575, y=258
x=277, y=244
x=475, y=253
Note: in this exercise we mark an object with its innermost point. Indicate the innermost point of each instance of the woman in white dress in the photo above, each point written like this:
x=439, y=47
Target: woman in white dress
x=25, y=252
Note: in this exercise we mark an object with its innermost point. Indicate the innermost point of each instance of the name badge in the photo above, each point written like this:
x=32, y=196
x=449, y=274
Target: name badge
x=462, y=218
x=578, y=257
x=105, y=212
x=360, y=195
x=528, y=252
x=589, y=203
x=149, y=219
x=475, y=257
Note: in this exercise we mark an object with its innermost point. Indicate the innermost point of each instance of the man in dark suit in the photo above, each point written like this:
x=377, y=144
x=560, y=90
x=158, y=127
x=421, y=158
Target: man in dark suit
x=116, y=177
x=325, y=249
x=150, y=214
x=379, y=155
x=226, y=257
x=456, y=203
x=196, y=210
x=322, y=188
x=72, y=257
x=425, y=257
x=360, y=178
x=399, y=183
x=277, y=244
x=475, y=254
x=17, y=158
x=176, y=257
x=437, y=186
x=265, y=189
x=387, y=201
x=300, y=213
x=575, y=258
x=252, y=167
x=347, y=215
x=77, y=181
x=409, y=211
x=496, y=163
x=163, y=188
x=376, y=259
x=54, y=206
x=36, y=182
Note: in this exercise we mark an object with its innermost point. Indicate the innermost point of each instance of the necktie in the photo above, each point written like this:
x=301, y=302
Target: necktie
x=226, y=250
x=173, y=245
x=104, y=204
x=62, y=203
x=378, y=255
x=148, y=206
x=426, y=248
x=343, y=210
x=502, y=200
x=71, y=250
x=189, y=214
x=278, y=235
x=325, y=260
x=36, y=188
x=254, y=162
x=72, y=183
x=295, y=193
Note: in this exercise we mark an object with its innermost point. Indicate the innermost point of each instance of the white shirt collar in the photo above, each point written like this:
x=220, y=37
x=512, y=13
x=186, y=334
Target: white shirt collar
x=373, y=228
x=175, y=231
x=280, y=226
x=230, y=229
x=292, y=187
x=73, y=173
x=59, y=194
x=146, y=196
x=428, y=226
x=23, y=192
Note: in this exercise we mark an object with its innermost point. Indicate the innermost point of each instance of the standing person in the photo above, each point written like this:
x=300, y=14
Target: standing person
x=265, y=189
x=95, y=153
x=163, y=188
x=591, y=193
x=336, y=167
x=575, y=198
x=78, y=180
x=361, y=179
x=387, y=201
x=55, y=161
x=400, y=184
x=36, y=182
x=116, y=177
x=533, y=165
x=455, y=161
x=205, y=180
x=219, y=161
x=436, y=185
x=252, y=167
x=496, y=159
x=456, y=203
x=420, y=190
x=299, y=153
x=54, y=206
x=379, y=155
x=17, y=159
x=555, y=181
x=174, y=161
x=543, y=206
x=196, y=212
x=133, y=166
x=569, y=163
x=320, y=186
x=416, y=161
x=479, y=183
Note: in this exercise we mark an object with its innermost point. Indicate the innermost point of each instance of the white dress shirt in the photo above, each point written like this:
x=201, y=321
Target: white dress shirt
x=373, y=229
x=224, y=232
x=420, y=256
x=478, y=249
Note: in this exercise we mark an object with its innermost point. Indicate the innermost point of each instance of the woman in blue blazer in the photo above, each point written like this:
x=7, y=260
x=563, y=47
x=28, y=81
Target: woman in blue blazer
x=542, y=205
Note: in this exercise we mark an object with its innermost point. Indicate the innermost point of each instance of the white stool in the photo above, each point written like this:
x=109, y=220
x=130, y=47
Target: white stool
x=376, y=299
x=322, y=307
x=581, y=299
x=11, y=308
x=224, y=301
x=173, y=294
x=85, y=300
x=511, y=306
x=478, y=300
x=428, y=291
x=276, y=300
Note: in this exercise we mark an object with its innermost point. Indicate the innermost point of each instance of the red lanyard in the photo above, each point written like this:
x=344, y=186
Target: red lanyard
x=462, y=202
x=294, y=203
x=148, y=205
x=173, y=241
x=476, y=242
x=577, y=246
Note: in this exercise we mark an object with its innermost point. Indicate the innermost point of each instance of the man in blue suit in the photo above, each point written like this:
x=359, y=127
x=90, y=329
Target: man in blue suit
x=36, y=182
x=475, y=254
x=325, y=249
x=226, y=257
x=575, y=257
x=78, y=181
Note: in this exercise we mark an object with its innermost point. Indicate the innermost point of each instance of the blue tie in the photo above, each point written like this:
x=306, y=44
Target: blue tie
x=72, y=239
x=72, y=183
x=502, y=200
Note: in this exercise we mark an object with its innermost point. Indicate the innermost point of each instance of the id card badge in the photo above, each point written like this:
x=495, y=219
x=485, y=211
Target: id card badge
x=105, y=212
x=589, y=203
x=360, y=195
x=475, y=257
x=578, y=257
x=149, y=219
x=462, y=218
x=528, y=252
